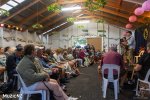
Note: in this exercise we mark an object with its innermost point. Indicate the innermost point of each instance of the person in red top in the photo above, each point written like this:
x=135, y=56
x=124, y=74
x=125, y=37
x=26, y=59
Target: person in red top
x=81, y=54
x=112, y=57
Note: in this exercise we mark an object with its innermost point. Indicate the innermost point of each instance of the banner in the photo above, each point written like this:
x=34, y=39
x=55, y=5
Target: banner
x=142, y=37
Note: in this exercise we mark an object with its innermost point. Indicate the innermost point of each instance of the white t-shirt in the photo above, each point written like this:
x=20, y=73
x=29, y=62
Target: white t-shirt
x=2, y=60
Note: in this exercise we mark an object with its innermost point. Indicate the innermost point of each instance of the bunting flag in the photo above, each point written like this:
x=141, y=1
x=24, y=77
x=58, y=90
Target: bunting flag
x=142, y=37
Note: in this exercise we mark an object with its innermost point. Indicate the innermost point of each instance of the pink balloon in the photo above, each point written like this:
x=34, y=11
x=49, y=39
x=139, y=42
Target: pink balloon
x=139, y=11
x=132, y=18
x=146, y=5
x=128, y=26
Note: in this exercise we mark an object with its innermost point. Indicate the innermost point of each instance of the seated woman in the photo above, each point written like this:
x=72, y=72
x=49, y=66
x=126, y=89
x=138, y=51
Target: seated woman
x=34, y=76
x=72, y=62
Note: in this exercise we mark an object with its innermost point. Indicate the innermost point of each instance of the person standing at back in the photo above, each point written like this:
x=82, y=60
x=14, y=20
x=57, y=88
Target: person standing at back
x=131, y=46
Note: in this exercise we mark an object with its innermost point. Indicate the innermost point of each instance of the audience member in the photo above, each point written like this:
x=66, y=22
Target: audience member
x=131, y=45
x=144, y=64
x=112, y=57
x=36, y=79
x=12, y=61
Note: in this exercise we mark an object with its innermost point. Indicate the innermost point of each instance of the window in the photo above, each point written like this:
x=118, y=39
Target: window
x=6, y=7
x=19, y=1
x=12, y=3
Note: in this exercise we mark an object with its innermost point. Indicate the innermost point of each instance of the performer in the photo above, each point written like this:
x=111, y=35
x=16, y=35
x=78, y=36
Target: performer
x=131, y=45
x=123, y=45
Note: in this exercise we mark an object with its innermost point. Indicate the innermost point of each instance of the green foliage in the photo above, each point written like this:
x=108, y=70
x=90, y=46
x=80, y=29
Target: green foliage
x=80, y=26
x=93, y=5
x=37, y=26
x=100, y=21
x=85, y=30
x=4, y=12
x=71, y=19
x=102, y=35
x=54, y=7
x=101, y=30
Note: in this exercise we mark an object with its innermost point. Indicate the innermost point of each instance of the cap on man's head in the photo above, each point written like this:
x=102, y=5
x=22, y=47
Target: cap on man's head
x=19, y=47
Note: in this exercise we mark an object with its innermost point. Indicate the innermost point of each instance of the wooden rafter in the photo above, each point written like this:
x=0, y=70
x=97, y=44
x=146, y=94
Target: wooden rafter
x=53, y=26
x=32, y=16
x=44, y=19
x=21, y=10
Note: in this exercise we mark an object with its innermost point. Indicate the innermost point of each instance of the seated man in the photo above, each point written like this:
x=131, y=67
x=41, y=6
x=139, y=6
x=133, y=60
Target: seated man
x=112, y=57
x=34, y=77
x=144, y=64
x=47, y=64
x=12, y=61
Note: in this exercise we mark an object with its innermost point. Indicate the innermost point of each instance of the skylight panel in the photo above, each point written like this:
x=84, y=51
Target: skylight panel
x=12, y=3
x=6, y=7
x=19, y=1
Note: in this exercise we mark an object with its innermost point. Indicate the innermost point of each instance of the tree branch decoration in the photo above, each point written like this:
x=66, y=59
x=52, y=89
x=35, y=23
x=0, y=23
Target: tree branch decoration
x=4, y=12
x=37, y=26
x=54, y=7
x=100, y=21
x=93, y=5
x=80, y=26
x=71, y=19
x=101, y=31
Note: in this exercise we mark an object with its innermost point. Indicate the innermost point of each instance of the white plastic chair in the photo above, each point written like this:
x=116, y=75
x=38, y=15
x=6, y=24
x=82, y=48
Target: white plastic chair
x=110, y=68
x=24, y=90
x=143, y=81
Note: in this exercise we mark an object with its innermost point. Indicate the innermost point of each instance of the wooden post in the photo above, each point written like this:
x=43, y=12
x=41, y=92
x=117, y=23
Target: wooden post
x=108, y=36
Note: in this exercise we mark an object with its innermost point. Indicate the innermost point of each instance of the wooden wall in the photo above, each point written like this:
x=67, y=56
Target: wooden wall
x=96, y=41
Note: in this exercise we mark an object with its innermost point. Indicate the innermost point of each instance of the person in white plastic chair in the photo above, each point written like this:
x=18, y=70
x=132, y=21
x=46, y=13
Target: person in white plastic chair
x=34, y=77
x=112, y=57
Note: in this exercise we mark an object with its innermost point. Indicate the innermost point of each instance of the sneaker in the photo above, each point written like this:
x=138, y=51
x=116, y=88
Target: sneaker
x=82, y=66
x=72, y=98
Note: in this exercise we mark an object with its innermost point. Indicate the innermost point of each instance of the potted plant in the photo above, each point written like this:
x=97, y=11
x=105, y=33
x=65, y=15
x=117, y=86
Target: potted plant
x=101, y=30
x=37, y=26
x=54, y=7
x=4, y=12
x=93, y=5
x=85, y=30
x=71, y=19
x=80, y=26
x=100, y=21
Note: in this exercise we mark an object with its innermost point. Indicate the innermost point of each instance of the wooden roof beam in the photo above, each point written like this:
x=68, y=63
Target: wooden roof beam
x=19, y=11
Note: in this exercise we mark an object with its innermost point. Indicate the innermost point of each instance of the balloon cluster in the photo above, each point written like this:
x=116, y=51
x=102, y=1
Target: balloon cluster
x=138, y=11
x=11, y=27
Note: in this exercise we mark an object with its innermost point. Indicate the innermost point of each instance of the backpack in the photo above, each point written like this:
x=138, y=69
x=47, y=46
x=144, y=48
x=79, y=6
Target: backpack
x=6, y=87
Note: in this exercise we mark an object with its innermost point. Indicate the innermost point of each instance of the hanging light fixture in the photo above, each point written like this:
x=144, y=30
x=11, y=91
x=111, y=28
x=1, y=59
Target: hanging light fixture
x=82, y=22
x=37, y=25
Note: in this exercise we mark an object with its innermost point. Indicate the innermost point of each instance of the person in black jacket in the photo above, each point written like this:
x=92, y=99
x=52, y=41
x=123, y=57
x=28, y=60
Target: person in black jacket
x=143, y=64
x=12, y=61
